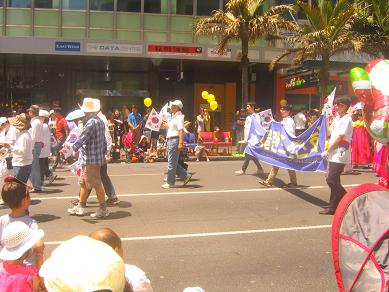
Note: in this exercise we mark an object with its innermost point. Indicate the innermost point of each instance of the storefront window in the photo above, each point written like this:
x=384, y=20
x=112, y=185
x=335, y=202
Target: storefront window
x=19, y=3
x=152, y=6
x=101, y=5
x=1, y=3
x=205, y=7
x=184, y=7
x=74, y=4
x=43, y=3
x=129, y=5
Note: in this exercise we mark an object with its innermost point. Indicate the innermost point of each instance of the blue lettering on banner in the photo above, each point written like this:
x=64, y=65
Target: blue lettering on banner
x=68, y=46
x=276, y=147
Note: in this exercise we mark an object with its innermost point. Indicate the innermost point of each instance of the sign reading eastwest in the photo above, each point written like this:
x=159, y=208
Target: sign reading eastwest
x=174, y=50
x=114, y=48
x=68, y=46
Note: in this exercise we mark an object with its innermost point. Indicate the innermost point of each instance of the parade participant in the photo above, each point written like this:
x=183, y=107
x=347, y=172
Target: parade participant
x=250, y=108
x=45, y=153
x=22, y=148
x=134, y=122
x=200, y=151
x=15, y=194
x=136, y=279
x=175, y=143
x=61, y=132
x=5, y=128
x=338, y=153
x=36, y=133
x=19, y=241
x=361, y=145
x=200, y=122
x=93, y=148
x=239, y=129
x=300, y=121
x=289, y=125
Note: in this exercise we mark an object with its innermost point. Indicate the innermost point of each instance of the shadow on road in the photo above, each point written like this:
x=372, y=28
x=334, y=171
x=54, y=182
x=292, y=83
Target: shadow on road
x=41, y=218
x=35, y=202
x=124, y=204
x=50, y=191
x=112, y=216
x=58, y=185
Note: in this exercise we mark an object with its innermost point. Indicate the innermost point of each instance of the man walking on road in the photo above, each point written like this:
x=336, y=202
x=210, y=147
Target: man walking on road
x=93, y=148
x=175, y=143
x=250, y=108
x=36, y=133
x=61, y=132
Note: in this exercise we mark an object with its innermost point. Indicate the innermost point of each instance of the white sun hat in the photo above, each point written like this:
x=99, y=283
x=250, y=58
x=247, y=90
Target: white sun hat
x=90, y=105
x=83, y=264
x=44, y=113
x=3, y=120
x=18, y=238
x=178, y=103
x=75, y=115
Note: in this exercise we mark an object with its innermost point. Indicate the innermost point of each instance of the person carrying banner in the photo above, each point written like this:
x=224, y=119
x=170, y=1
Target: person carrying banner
x=289, y=125
x=338, y=153
x=250, y=108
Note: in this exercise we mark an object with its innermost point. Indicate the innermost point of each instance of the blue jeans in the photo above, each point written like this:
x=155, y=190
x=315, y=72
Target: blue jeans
x=22, y=172
x=107, y=183
x=35, y=176
x=173, y=167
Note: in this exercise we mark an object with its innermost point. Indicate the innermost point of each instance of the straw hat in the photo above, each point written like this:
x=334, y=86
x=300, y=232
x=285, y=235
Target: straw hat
x=83, y=264
x=75, y=115
x=34, y=108
x=187, y=123
x=18, y=238
x=20, y=122
x=90, y=105
x=44, y=113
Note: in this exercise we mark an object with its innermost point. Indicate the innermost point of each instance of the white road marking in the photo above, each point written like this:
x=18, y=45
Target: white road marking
x=210, y=234
x=191, y=192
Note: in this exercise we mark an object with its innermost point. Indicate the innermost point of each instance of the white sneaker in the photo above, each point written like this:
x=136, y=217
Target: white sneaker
x=100, y=214
x=76, y=210
x=166, y=186
x=239, y=172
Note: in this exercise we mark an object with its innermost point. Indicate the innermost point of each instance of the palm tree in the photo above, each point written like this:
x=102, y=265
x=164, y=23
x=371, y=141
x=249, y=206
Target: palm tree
x=243, y=21
x=326, y=33
x=373, y=24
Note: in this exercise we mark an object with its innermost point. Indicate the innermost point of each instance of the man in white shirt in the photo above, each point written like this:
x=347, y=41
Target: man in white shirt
x=36, y=133
x=45, y=153
x=338, y=153
x=301, y=122
x=289, y=125
x=175, y=143
x=250, y=108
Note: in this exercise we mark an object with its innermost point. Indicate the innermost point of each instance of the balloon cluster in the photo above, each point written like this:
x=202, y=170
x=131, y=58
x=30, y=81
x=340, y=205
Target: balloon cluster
x=147, y=101
x=371, y=86
x=211, y=99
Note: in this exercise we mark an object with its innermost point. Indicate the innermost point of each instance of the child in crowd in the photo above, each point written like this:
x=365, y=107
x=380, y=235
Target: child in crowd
x=161, y=147
x=200, y=151
x=16, y=195
x=19, y=241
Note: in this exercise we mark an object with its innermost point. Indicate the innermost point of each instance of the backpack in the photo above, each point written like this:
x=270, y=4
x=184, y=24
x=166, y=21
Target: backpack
x=360, y=240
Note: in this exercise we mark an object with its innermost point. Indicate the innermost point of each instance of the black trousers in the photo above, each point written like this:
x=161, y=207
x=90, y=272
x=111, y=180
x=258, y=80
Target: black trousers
x=333, y=180
x=59, y=147
x=44, y=166
x=247, y=159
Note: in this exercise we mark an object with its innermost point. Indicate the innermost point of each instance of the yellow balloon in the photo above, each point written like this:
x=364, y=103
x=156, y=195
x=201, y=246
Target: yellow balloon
x=204, y=94
x=213, y=105
x=283, y=102
x=147, y=101
x=211, y=98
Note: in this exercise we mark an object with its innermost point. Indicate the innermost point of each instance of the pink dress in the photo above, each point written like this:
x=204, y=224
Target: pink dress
x=380, y=165
x=16, y=277
x=361, y=145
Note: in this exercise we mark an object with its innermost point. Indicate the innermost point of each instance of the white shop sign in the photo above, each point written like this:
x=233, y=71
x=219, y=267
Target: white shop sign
x=114, y=48
x=212, y=53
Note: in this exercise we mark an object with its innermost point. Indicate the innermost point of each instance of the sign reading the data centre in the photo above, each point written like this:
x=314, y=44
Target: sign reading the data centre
x=68, y=46
x=114, y=48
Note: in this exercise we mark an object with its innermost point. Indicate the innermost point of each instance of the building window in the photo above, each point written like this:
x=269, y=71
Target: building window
x=43, y=3
x=184, y=7
x=74, y=4
x=19, y=3
x=1, y=3
x=152, y=6
x=101, y=5
x=205, y=7
x=129, y=5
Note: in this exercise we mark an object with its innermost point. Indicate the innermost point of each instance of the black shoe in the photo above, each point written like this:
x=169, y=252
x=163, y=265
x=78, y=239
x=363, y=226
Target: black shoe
x=112, y=201
x=326, y=211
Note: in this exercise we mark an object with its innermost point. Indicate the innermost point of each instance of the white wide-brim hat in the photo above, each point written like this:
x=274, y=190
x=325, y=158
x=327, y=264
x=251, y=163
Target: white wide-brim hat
x=44, y=113
x=18, y=238
x=75, y=115
x=90, y=105
x=83, y=264
x=3, y=120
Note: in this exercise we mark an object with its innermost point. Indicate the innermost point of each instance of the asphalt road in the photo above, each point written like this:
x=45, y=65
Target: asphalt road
x=222, y=232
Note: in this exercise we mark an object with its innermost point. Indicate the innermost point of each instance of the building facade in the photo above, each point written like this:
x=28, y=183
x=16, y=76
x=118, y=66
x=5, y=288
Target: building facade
x=55, y=52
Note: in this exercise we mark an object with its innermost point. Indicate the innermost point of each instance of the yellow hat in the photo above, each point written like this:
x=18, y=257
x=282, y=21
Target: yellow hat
x=83, y=264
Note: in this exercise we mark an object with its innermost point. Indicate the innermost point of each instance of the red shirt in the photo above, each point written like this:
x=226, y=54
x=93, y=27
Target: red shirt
x=60, y=127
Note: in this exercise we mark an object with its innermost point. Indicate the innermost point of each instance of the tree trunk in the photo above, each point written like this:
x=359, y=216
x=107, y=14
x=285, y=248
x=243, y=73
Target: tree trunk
x=386, y=54
x=245, y=74
x=324, y=78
